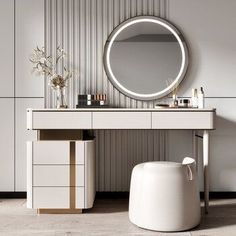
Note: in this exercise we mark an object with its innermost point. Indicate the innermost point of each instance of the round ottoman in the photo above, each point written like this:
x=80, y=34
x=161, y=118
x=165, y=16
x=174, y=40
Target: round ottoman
x=164, y=196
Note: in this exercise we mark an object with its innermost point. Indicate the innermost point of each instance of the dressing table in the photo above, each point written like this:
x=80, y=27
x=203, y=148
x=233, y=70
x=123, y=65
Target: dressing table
x=68, y=125
x=145, y=58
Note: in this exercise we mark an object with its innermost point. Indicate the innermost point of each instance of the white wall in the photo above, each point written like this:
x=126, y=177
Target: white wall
x=208, y=28
x=21, y=28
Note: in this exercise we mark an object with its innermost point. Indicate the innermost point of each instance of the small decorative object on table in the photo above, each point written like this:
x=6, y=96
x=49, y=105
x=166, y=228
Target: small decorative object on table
x=174, y=102
x=92, y=101
x=201, y=99
x=184, y=103
x=194, y=99
x=45, y=65
x=161, y=106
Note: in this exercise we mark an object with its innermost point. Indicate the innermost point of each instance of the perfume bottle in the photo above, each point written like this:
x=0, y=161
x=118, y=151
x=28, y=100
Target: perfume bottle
x=194, y=99
x=201, y=99
x=174, y=102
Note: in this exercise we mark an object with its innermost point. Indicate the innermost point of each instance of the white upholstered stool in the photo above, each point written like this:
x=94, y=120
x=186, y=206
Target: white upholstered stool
x=164, y=196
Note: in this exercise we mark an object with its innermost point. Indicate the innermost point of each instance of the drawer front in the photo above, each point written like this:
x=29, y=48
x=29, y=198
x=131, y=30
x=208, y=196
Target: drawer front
x=51, y=175
x=51, y=197
x=80, y=198
x=61, y=120
x=183, y=120
x=79, y=175
x=121, y=120
x=51, y=152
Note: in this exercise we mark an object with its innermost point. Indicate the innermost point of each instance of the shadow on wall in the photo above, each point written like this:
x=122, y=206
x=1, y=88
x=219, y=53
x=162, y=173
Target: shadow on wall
x=224, y=126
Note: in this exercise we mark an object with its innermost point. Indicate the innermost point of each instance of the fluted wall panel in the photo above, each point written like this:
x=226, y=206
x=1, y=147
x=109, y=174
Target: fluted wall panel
x=81, y=27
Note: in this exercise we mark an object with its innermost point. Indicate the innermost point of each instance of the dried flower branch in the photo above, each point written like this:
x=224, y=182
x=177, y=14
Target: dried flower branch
x=44, y=65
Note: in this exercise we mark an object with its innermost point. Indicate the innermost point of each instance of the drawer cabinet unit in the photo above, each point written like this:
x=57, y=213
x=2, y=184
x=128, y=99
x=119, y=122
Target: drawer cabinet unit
x=60, y=174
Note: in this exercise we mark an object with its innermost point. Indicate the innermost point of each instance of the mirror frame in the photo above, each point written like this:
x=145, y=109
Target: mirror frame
x=169, y=88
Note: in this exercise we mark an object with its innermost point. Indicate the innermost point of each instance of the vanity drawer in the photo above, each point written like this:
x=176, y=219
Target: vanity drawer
x=51, y=152
x=80, y=197
x=122, y=120
x=183, y=120
x=51, y=197
x=44, y=175
x=79, y=175
x=61, y=120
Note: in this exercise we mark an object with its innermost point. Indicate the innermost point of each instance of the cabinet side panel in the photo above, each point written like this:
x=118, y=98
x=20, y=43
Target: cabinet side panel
x=90, y=189
x=29, y=174
x=79, y=153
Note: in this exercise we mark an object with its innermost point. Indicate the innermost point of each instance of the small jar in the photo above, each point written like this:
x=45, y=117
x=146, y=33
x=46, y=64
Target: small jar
x=184, y=103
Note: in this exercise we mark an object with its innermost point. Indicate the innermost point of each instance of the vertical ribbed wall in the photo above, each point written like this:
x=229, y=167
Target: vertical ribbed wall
x=81, y=27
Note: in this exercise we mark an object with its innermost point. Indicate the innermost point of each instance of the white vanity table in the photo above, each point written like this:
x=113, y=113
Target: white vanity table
x=63, y=128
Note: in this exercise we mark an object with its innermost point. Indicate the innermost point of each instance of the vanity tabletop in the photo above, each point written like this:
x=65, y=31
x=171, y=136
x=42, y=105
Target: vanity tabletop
x=123, y=110
x=121, y=118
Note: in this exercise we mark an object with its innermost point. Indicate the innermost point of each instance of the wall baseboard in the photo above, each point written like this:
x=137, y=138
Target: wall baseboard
x=219, y=195
x=118, y=195
x=112, y=195
x=213, y=195
x=12, y=194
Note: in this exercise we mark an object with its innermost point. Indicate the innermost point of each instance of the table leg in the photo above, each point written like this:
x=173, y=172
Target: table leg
x=195, y=147
x=206, y=168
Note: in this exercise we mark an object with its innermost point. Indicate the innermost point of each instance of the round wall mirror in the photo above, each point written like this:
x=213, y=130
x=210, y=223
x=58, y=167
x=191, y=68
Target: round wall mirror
x=145, y=57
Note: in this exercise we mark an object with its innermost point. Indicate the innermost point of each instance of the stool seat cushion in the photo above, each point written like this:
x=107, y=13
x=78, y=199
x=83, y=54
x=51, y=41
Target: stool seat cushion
x=164, y=196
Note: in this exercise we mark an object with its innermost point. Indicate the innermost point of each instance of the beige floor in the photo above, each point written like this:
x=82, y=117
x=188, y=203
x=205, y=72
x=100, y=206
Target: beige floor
x=108, y=217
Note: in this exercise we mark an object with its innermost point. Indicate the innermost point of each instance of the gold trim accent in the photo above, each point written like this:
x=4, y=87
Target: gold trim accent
x=72, y=175
x=59, y=211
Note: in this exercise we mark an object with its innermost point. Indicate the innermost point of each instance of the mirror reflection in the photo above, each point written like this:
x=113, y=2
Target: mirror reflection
x=145, y=57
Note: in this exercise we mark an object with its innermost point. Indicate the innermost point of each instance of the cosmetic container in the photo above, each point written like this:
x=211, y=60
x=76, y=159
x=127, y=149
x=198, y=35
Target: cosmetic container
x=185, y=103
x=201, y=99
x=194, y=99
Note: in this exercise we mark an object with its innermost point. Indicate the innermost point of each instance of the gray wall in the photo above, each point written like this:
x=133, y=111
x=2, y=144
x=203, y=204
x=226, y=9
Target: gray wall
x=81, y=28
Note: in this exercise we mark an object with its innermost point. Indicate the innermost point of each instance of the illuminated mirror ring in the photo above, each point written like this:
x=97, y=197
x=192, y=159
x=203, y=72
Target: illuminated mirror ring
x=174, y=82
